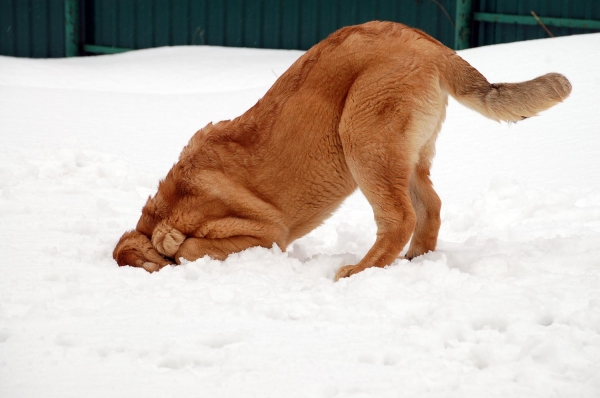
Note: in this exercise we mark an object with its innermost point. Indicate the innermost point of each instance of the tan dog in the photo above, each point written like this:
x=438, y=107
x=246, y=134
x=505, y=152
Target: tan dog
x=362, y=108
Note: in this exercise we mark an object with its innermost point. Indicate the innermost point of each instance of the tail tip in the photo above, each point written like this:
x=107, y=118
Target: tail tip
x=559, y=83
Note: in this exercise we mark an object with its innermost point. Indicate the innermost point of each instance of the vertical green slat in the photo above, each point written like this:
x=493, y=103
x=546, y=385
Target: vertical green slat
x=354, y=16
x=387, y=11
x=367, y=10
x=87, y=23
x=197, y=22
x=290, y=26
x=537, y=32
x=126, y=23
x=56, y=28
x=40, y=29
x=97, y=24
x=328, y=21
x=480, y=6
x=343, y=12
x=161, y=23
x=133, y=36
x=463, y=24
x=348, y=12
x=215, y=32
x=145, y=16
x=180, y=23
x=252, y=23
x=108, y=23
x=581, y=11
x=441, y=22
x=448, y=30
x=559, y=10
x=447, y=34
x=234, y=23
x=434, y=17
x=566, y=10
x=586, y=11
x=518, y=32
x=437, y=18
x=114, y=20
x=271, y=28
x=497, y=28
x=592, y=10
x=410, y=13
x=429, y=20
x=23, y=28
x=490, y=31
x=308, y=23
x=530, y=31
x=402, y=11
x=542, y=10
x=483, y=27
x=7, y=33
x=100, y=27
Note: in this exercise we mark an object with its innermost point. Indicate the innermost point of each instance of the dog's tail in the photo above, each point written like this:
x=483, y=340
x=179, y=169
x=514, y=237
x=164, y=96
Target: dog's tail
x=509, y=102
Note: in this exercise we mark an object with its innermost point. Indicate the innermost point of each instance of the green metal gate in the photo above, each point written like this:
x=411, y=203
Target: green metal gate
x=58, y=28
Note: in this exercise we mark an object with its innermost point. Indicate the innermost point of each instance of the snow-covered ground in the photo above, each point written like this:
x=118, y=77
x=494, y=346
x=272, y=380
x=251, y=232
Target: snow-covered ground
x=508, y=306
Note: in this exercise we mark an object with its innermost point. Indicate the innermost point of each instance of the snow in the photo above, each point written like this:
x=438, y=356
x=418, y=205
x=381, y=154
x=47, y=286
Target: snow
x=508, y=306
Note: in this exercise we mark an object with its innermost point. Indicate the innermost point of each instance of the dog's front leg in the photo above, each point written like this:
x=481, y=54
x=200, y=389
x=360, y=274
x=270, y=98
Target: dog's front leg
x=194, y=248
x=220, y=238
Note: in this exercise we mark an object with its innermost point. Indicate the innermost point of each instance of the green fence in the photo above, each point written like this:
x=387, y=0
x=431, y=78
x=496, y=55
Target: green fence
x=33, y=28
x=289, y=24
x=501, y=21
x=58, y=28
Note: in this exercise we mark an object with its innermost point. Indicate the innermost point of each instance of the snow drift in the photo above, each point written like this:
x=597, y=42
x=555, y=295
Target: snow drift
x=508, y=306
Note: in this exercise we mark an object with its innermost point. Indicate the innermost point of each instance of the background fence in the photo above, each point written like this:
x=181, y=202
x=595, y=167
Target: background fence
x=58, y=28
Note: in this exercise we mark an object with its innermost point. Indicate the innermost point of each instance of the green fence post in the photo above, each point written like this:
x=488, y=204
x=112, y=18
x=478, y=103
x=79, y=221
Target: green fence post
x=462, y=32
x=72, y=44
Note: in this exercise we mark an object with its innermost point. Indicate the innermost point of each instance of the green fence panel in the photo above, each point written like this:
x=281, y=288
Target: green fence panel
x=32, y=28
x=293, y=24
x=505, y=30
x=58, y=28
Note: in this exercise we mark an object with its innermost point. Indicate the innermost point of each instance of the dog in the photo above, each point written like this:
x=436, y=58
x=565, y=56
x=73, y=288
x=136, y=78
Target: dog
x=361, y=109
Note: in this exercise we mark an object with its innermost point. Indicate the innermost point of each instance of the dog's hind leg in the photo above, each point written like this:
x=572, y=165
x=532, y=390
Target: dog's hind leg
x=425, y=201
x=384, y=180
x=382, y=130
x=426, y=204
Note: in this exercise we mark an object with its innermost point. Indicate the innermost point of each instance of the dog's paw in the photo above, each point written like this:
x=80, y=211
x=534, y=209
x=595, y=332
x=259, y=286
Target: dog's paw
x=347, y=271
x=136, y=250
x=167, y=239
x=150, y=267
